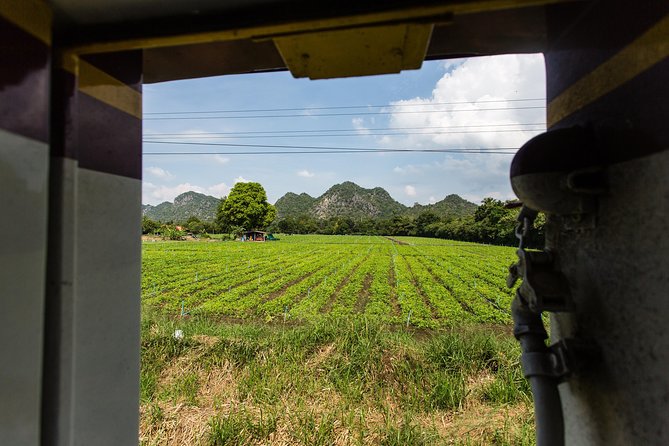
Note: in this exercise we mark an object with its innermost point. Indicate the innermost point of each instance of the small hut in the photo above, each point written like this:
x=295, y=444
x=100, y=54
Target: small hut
x=254, y=236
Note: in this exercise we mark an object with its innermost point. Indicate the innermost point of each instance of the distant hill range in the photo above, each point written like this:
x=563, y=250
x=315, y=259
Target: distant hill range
x=350, y=200
x=186, y=205
x=341, y=200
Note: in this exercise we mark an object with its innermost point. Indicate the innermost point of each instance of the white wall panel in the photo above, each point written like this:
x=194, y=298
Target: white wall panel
x=107, y=309
x=23, y=226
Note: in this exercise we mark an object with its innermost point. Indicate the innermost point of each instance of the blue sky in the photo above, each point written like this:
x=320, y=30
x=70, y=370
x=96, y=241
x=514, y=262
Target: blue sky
x=468, y=103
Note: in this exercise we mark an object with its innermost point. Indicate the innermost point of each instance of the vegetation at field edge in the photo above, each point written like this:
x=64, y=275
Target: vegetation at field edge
x=354, y=381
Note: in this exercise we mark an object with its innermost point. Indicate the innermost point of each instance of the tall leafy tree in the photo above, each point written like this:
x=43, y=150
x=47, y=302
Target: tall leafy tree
x=245, y=207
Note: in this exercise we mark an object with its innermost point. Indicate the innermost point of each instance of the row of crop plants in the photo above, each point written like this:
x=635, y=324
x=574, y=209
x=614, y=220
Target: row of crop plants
x=421, y=282
x=202, y=280
x=243, y=300
x=321, y=297
x=412, y=305
x=484, y=302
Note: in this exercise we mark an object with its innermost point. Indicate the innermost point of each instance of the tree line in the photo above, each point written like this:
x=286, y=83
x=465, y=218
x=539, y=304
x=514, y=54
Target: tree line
x=246, y=208
x=492, y=222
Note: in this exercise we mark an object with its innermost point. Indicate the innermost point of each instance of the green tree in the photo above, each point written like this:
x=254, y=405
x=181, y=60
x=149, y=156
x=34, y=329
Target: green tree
x=401, y=225
x=245, y=206
x=149, y=226
x=425, y=219
x=491, y=210
x=195, y=225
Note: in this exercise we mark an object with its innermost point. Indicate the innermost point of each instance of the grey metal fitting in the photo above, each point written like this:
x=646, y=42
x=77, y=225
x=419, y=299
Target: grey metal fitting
x=559, y=172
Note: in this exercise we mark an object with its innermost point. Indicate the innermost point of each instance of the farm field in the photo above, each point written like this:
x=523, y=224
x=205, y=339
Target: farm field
x=330, y=340
x=428, y=283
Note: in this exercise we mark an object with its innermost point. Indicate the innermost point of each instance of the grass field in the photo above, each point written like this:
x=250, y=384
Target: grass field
x=319, y=340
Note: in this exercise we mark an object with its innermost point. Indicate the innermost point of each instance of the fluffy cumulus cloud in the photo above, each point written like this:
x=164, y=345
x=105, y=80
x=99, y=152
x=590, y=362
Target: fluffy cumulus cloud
x=155, y=193
x=478, y=103
x=473, y=177
x=158, y=172
x=305, y=174
x=410, y=190
x=218, y=190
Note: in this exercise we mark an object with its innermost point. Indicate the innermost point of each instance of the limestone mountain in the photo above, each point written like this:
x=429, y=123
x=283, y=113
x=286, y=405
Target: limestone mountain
x=350, y=200
x=293, y=204
x=186, y=205
x=341, y=200
x=452, y=206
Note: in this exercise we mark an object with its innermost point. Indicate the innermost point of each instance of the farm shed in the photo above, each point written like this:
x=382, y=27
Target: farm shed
x=254, y=236
x=71, y=170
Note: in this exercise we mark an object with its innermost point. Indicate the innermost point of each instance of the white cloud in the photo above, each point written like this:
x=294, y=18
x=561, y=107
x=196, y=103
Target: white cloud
x=240, y=179
x=155, y=194
x=432, y=200
x=473, y=177
x=408, y=169
x=359, y=125
x=218, y=190
x=410, y=190
x=305, y=173
x=472, y=84
x=158, y=172
x=220, y=159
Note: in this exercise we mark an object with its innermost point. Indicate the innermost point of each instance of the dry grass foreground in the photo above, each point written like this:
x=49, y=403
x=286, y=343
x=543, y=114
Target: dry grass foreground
x=334, y=382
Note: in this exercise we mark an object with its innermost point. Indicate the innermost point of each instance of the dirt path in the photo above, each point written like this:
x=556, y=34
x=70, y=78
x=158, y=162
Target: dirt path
x=399, y=242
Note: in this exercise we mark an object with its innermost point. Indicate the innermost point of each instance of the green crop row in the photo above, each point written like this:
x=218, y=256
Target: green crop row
x=408, y=280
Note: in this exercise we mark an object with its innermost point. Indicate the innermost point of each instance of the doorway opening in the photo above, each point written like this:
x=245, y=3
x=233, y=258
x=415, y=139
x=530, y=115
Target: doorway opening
x=375, y=308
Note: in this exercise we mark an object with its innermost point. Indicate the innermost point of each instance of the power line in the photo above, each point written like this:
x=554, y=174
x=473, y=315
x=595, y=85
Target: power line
x=342, y=114
x=341, y=107
x=323, y=152
x=307, y=152
x=215, y=136
x=274, y=146
x=255, y=132
x=284, y=149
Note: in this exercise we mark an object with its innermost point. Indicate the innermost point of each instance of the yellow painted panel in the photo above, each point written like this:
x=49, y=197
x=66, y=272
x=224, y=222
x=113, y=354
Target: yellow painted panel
x=103, y=87
x=355, y=52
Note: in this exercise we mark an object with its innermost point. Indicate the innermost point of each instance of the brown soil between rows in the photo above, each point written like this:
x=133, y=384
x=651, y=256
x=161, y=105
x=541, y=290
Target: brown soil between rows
x=278, y=293
x=363, y=297
x=333, y=297
x=419, y=289
x=399, y=242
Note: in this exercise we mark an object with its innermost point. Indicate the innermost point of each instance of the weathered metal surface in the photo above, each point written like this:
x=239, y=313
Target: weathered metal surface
x=355, y=52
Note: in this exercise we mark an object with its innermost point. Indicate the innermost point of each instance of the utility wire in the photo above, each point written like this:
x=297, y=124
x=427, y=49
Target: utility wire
x=342, y=114
x=341, y=107
x=214, y=136
x=322, y=152
x=254, y=132
x=319, y=149
x=273, y=146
